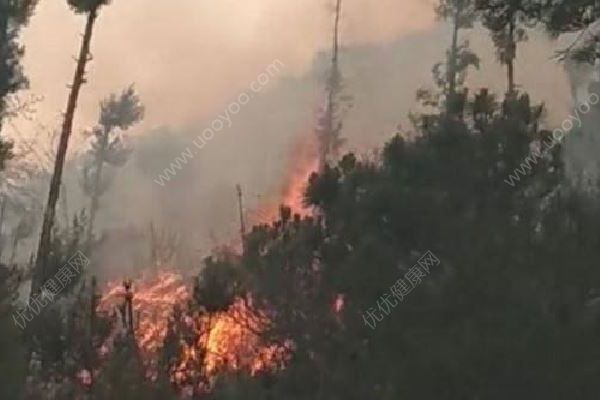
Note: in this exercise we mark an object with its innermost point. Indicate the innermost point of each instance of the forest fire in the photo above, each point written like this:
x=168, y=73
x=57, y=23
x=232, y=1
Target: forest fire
x=230, y=341
x=153, y=303
x=207, y=343
x=302, y=164
x=169, y=240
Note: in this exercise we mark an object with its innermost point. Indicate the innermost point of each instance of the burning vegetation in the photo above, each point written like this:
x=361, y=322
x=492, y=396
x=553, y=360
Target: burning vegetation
x=290, y=312
x=188, y=335
x=197, y=342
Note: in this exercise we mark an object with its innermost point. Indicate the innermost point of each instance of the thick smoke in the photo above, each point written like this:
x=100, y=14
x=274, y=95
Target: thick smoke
x=582, y=143
x=188, y=72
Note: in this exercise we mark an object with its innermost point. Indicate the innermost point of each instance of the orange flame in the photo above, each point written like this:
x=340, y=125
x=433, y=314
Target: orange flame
x=304, y=161
x=231, y=341
x=225, y=341
x=153, y=303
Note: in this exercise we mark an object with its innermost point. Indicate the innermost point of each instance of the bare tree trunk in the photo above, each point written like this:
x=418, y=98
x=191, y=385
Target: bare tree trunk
x=13, y=252
x=336, y=31
x=96, y=185
x=129, y=299
x=242, y=222
x=2, y=213
x=64, y=206
x=93, y=305
x=3, y=50
x=453, y=54
x=451, y=97
x=511, y=77
x=328, y=140
x=512, y=50
x=40, y=273
x=153, y=246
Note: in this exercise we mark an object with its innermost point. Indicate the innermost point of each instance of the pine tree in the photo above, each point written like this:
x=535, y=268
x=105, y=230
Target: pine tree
x=13, y=15
x=117, y=114
x=461, y=14
x=575, y=17
x=329, y=126
x=570, y=15
x=91, y=9
x=12, y=348
x=507, y=21
x=448, y=98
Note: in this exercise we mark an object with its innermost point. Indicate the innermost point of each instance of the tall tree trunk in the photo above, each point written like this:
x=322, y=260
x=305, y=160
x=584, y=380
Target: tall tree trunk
x=512, y=53
x=2, y=213
x=93, y=305
x=328, y=141
x=451, y=97
x=452, y=63
x=13, y=252
x=3, y=54
x=336, y=31
x=242, y=221
x=96, y=184
x=65, y=203
x=40, y=273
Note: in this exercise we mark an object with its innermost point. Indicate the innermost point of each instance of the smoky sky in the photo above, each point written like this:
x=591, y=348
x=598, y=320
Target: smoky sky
x=190, y=59
x=187, y=57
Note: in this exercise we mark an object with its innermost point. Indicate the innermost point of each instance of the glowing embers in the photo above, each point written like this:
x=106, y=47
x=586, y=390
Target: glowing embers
x=153, y=302
x=231, y=341
x=303, y=162
x=193, y=348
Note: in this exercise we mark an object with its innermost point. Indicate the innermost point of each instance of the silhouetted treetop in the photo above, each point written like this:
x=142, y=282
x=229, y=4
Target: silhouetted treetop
x=85, y=6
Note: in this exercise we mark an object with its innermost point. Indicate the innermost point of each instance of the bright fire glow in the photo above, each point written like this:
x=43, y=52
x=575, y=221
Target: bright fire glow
x=224, y=341
x=153, y=303
x=232, y=342
x=303, y=163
